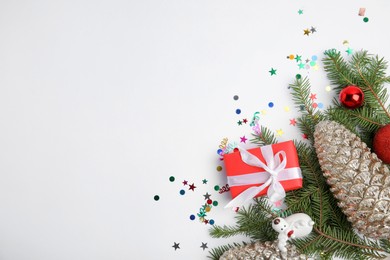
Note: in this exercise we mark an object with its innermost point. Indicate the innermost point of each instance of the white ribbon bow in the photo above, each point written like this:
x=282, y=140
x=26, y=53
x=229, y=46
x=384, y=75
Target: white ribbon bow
x=273, y=167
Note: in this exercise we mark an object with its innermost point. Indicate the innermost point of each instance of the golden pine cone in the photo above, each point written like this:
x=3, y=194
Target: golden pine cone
x=358, y=178
x=262, y=251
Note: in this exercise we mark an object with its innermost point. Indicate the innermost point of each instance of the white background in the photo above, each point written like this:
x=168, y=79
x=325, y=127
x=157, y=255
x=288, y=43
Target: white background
x=102, y=101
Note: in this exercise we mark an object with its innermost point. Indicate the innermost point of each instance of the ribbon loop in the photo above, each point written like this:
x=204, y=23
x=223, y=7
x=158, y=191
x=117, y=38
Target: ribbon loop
x=273, y=166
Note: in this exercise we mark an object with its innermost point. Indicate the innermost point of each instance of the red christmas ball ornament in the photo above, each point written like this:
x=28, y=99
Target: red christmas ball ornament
x=381, y=143
x=351, y=97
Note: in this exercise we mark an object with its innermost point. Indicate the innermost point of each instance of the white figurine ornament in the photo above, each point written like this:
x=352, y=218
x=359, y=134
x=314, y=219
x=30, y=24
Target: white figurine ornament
x=294, y=226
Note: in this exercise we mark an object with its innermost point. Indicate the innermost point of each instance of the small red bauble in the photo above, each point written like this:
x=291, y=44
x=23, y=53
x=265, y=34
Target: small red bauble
x=351, y=97
x=381, y=143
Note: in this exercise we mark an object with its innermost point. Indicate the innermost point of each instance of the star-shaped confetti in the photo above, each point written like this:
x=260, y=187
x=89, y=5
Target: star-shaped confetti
x=293, y=122
x=272, y=71
x=204, y=246
x=243, y=139
x=204, y=181
x=306, y=32
x=245, y=120
x=313, y=29
x=207, y=196
x=279, y=132
x=349, y=51
x=239, y=122
x=313, y=96
x=300, y=11
x=185, y=182
x=301, y=65
x=298, y=58
x=192, y=187
x=307, y=60
x=176, y=245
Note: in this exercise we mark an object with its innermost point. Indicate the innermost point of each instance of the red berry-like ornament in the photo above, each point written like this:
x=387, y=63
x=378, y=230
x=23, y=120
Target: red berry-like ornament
x=351, y=97
x=381, y=143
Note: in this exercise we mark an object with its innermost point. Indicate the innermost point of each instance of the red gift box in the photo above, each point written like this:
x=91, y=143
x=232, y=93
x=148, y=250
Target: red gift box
x=236, y=168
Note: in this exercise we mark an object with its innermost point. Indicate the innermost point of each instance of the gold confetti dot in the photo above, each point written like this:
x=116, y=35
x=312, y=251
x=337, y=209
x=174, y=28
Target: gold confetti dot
x=207, y=209
x=345, y=43
x=328, y=88
x=219, y=168
x=287, y=108
x=291, y=57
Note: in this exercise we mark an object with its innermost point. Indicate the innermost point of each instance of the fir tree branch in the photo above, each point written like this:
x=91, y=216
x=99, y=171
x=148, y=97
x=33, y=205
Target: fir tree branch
x=348, y=243
x=265, y=137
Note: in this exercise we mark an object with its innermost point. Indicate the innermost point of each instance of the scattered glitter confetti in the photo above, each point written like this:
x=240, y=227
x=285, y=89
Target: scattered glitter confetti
x=171, y=179
x=156, y=197
x=345, y=43
x=245, y=120
x=207, y=196
x=192, y=217
x=238, y=111
x=307, y=60
x=216, y=188
x=264, y=112
x=314, y=57
x=211, y=222
x=272, y=71
x=349, y=51
x=298, y=76
x=182, y=192
x=365, y=19
x=204, y=246
x=328, y=88
x=224, y=189
x=300, y=11
x=270, y=104
x=293, y=122
x=286, y=108
x=362, y=11
x=185, y=182
x=320, y=105
x=204, y=181
x=235, y=97
x=243, y=139
x=298, y=58
x=314, y=105
x=209, y=201
x=306, y=32
x=313, y=96
x=301, y=65
x=279, y=132
x=219, y=168
x=192, y=187
x=215, y=203
x=291, y=57
x=176, y=245
x=313, y=29
x=239, y=122
x=313, y=63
